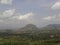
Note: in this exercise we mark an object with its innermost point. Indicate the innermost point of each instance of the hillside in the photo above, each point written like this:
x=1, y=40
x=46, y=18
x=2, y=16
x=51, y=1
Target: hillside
x=51, y=27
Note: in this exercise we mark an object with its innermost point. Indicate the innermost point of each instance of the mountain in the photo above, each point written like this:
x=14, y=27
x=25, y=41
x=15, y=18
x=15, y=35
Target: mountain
x=52, y=27
x=32, y=28
x=29, y=27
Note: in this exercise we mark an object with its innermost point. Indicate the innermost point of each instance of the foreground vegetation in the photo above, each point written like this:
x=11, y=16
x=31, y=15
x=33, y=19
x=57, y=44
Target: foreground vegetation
x=15, y=41
x=29, y=38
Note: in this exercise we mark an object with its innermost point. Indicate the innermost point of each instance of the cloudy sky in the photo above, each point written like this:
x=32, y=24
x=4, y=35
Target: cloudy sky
x=17, y=13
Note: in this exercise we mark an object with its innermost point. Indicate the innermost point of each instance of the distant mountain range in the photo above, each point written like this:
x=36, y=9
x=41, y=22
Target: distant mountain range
x=48, y=27
x=52, y=27
x=33, y=28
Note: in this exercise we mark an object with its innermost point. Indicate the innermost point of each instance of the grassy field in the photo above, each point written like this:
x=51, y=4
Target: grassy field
x=22, y=41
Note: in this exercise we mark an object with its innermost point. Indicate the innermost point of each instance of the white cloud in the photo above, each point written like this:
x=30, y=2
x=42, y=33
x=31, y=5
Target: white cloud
x=49, y=18
x=7, y=13
x=8, y=17
x=23, y=17
x=56, y=5
x=6, y=1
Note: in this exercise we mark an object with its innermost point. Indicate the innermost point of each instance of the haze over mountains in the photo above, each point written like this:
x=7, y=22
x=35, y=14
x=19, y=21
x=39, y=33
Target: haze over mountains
x=52, y=27
x=32, y=27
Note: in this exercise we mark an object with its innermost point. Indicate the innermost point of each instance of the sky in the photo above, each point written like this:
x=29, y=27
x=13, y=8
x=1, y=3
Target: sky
x=18, y=13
